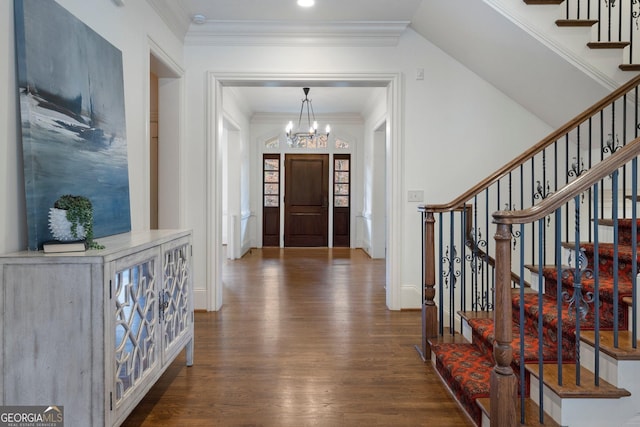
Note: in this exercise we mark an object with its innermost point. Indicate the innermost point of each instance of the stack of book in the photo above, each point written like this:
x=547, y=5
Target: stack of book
x=58, y=246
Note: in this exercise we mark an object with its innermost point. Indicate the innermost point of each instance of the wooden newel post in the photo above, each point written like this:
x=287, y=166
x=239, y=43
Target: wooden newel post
x=429, y=308
x=504, y=384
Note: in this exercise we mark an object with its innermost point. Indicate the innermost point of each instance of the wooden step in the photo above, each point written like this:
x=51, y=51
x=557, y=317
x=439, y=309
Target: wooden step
x=625, y=350
x=569, y=389
x=576, y=22
x=607, y=45
x=629, y=67
x=476, y=314
x=531, y=413
x=448, y=338
x=543, y=1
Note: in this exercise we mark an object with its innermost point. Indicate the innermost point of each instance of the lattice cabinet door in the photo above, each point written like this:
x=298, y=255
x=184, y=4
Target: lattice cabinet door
x=134, y=296
x=176, y=299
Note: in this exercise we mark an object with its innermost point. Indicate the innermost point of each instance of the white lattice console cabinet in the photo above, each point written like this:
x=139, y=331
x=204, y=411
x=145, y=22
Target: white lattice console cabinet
x=93, y=331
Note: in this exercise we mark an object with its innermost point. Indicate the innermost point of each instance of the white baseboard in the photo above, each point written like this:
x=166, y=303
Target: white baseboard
x=411, y=297
x=200, y=299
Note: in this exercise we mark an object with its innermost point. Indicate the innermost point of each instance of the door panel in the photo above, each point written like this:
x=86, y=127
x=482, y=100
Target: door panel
x=306, y=221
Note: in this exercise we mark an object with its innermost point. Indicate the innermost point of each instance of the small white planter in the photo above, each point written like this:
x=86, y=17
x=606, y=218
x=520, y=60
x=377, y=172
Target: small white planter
x=60, y=226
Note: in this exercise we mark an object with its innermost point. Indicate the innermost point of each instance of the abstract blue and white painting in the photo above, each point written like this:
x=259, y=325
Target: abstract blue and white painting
x=71, y=91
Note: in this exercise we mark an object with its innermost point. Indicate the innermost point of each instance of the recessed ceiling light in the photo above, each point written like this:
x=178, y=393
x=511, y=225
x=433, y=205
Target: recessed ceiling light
x=306, y=3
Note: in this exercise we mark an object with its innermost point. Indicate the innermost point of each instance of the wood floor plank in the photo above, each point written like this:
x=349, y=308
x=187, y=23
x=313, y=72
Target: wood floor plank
x=304, y=339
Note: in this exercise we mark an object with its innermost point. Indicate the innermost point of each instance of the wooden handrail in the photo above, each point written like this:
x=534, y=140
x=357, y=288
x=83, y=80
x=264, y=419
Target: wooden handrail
x=550, y=139
x=585, y=181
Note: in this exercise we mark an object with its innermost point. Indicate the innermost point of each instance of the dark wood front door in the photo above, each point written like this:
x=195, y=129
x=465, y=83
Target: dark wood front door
x=306, y=200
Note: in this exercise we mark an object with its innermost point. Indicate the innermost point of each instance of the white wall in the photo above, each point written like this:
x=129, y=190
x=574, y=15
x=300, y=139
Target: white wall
x=457, y=128
x=13, y=227
x=129, y=29
x=374, y=194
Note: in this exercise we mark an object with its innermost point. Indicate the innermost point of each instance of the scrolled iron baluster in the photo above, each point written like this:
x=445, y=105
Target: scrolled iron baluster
x=636, y=14
x=483, y=302
x=474, y=257
x=578, y=302
x=577, y=168
x=612, y=144
x=542, y=193
x=515, y=235
x=450, y=273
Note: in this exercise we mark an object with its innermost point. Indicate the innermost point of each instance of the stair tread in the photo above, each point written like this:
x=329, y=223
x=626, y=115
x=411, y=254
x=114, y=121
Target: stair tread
x=607, y=45
x=621, y=222
x=484, y=332
x=531, y=412
x=625, y=350
x=629, y=67
x=476, y=314
x=448, y=338
x=569, y=389
x=543, y=1
x=576, y=22
x=624, y=251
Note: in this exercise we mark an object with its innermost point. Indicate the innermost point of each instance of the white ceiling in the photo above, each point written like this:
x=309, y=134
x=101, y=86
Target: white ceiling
x=287, y=10
x=286, y=98
x=325, y=100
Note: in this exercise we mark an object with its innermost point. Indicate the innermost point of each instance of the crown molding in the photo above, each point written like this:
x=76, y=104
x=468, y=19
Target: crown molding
x=282, y=33
x=173, y=15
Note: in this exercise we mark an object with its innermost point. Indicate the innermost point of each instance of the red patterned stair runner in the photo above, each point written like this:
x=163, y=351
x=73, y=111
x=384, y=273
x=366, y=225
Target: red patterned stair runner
x=466, y=368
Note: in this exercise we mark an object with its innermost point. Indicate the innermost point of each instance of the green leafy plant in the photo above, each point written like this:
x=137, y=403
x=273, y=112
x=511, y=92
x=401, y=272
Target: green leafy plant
x=79, y=211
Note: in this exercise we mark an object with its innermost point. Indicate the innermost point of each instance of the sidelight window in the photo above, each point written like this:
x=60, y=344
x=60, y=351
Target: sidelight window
x=271, y=181
x=341, y=181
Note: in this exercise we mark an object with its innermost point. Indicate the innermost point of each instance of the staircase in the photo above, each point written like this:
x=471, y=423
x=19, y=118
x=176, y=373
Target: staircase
x=539, y=325
x=589, y=32
x=466, y=365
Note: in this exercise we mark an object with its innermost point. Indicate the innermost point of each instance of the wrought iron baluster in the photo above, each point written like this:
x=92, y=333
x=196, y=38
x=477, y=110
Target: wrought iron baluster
x=577, y=168
x=578, y=302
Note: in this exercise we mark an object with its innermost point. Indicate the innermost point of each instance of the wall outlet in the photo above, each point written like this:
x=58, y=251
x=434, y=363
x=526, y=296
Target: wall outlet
x=415, y=195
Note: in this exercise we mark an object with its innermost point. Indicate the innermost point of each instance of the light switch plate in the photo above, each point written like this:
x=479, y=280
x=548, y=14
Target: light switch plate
x=415, y=195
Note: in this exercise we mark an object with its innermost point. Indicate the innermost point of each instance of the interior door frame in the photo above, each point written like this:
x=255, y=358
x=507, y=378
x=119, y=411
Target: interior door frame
x=393, y=184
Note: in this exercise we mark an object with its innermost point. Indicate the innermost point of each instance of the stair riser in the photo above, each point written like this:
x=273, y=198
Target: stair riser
x=583, y=412
x=621, y=373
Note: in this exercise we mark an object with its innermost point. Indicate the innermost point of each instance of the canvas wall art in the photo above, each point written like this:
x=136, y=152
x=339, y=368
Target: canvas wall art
x=71, y=91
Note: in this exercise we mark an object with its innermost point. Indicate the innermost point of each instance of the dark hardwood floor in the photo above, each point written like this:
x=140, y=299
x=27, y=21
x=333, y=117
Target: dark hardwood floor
x=304, y=339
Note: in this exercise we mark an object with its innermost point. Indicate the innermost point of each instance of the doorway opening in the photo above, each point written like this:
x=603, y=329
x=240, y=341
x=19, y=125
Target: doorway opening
x=393, y=159
x=163, y=151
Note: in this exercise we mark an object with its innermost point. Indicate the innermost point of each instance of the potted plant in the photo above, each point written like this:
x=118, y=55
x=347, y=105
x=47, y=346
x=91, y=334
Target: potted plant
x=71, y=218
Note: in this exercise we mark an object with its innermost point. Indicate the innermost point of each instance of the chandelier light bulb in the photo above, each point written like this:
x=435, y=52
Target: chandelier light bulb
x=327, y=130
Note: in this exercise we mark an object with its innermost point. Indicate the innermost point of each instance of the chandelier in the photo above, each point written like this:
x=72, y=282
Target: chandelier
x=309, y=136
